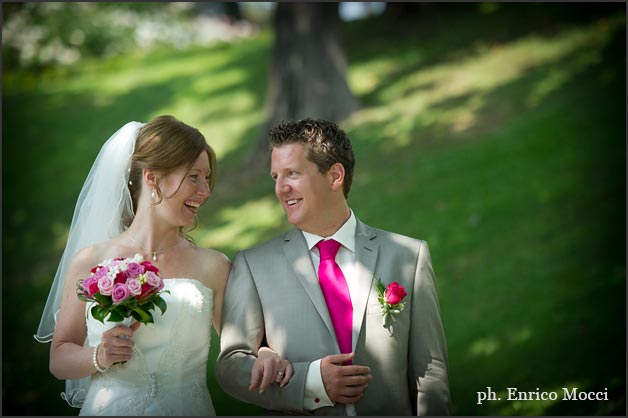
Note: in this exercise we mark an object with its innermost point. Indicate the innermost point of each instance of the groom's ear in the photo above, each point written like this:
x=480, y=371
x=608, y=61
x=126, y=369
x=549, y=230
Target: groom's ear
x=337, y=176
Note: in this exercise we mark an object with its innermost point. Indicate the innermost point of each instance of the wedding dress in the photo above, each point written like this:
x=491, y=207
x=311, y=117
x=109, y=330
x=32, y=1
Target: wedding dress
x=167, y=373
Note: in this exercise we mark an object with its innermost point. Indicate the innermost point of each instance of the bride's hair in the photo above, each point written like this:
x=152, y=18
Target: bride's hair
x=165, y=144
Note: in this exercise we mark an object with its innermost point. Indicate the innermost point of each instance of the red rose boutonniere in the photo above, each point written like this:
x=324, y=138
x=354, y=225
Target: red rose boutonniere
x=391, y=299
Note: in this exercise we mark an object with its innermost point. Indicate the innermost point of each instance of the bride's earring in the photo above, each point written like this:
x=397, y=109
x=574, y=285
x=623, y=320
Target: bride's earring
x=153, y=196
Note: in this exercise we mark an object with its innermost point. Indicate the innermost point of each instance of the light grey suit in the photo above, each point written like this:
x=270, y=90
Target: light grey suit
x=273, y=297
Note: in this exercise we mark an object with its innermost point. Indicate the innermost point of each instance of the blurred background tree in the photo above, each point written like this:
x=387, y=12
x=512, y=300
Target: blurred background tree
x=495, y=131
x=308, y=75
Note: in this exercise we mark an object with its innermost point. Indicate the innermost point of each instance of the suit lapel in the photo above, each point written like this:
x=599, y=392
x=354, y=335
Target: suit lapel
x=366, y=250
x=295, y=248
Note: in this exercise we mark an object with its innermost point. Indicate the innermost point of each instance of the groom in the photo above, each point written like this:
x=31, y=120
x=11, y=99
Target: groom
x=311, y=295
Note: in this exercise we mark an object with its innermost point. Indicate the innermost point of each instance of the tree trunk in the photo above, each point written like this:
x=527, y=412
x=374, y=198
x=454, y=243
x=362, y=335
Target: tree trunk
x=232, y=10
x=308, y=73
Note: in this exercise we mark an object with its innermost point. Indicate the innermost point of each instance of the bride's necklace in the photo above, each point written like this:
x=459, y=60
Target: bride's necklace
x=154, y=253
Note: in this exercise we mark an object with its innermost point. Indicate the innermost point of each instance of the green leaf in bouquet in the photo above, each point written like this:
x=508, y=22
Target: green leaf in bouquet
x=102, y=299
x=144, y=316
x=123, y=310
x=148, y=306
x=115, y=316
x=136, y=316
x=129, y=305
x=161, y=304
x=98, y=314
x=82, y=297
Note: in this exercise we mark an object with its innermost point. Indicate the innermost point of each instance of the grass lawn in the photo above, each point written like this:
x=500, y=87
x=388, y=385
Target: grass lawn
x=501, y=143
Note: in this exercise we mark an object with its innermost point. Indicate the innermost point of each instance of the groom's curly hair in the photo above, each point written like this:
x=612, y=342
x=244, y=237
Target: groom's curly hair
x=326, y=144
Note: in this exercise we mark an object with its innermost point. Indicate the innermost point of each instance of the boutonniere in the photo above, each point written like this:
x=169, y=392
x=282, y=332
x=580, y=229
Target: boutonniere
x=391, y=299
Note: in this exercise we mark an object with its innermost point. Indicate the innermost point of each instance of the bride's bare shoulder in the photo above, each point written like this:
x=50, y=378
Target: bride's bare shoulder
x=88, y=257
x=215, y=266
x=212, y=256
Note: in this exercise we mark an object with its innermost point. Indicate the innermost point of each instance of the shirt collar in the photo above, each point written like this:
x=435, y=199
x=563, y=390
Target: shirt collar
x=345, y=235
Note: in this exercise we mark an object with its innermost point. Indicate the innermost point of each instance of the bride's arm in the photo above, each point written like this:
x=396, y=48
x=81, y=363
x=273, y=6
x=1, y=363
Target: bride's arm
x=69, y=359
x=218, y=273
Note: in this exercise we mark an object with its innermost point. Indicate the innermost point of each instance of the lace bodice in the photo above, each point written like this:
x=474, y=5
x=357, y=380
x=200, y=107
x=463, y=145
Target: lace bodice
x=167, y=373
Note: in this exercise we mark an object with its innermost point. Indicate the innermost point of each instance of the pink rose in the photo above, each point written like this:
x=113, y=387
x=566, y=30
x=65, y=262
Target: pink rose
x=134, y=269
x=90, y=286
x=105, y=285
x=395, y=293
x=153, y=279
x=134, y=285
x=120, y=292
x=100, y=271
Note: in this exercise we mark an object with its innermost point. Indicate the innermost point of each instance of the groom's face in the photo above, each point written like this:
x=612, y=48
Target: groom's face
x=304, y=193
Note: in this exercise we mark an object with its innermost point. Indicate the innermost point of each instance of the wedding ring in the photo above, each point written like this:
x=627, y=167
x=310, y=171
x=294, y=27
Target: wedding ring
x=280, y=373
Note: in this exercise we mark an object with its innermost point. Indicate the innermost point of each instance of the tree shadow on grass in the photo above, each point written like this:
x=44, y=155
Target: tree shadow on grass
x=451, y=33
x=536, y=286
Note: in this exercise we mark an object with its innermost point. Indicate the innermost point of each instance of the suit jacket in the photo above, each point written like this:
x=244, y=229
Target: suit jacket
x=273, y=297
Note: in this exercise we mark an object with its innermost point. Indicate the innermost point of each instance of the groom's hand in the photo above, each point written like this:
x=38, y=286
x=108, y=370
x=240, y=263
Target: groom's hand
x=344, y=384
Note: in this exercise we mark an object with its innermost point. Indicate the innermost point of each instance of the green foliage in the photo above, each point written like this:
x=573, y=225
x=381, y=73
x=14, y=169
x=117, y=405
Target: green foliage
x=495, y=134
x=40, y=36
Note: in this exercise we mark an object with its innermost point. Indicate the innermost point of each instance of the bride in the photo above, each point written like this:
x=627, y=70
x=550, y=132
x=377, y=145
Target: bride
x=142, y=193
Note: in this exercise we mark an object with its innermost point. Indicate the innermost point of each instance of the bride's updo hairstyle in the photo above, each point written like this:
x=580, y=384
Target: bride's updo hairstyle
x=165, y=144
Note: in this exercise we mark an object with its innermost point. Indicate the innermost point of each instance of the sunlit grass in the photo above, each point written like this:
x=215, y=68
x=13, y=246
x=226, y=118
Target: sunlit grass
x=451, y=94
x=131, y=72
x=185, y=78
x=242, y=226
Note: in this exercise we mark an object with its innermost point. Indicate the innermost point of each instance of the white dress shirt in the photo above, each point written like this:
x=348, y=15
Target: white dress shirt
x=315, y=394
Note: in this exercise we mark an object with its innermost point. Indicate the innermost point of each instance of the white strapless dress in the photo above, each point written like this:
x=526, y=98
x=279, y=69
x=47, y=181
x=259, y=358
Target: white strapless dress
x=167, y=373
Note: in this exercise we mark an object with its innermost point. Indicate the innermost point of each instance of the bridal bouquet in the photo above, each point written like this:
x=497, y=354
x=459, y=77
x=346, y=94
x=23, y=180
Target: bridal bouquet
x=123, y=288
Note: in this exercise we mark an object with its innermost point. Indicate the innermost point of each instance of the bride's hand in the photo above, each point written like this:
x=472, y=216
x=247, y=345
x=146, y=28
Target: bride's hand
x=116, y=345
x=269, y=368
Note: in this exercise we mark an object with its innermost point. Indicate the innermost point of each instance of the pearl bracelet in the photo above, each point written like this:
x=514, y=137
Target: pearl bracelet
x=95, y=360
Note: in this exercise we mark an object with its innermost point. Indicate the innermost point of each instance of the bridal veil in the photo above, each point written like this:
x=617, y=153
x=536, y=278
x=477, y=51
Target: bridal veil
x=103, y=203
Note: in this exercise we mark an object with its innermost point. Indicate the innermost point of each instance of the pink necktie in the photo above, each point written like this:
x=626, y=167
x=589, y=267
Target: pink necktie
x=336, y=292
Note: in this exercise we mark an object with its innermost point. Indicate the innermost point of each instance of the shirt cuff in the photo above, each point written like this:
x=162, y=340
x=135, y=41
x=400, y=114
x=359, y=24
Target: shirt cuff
x=315, y=394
